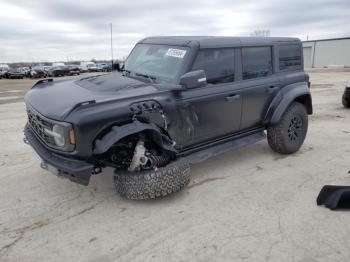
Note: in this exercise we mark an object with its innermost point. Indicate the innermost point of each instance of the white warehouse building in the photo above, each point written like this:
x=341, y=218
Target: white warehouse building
x=327, y=53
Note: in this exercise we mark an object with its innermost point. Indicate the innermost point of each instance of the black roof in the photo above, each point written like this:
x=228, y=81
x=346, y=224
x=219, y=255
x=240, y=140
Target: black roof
x=216, y=41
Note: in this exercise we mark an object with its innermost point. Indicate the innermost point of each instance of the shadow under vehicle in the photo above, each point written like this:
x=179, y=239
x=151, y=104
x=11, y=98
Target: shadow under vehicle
x=176, y=102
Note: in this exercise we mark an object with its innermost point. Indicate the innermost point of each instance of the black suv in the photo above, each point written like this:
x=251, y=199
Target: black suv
x=177, y=101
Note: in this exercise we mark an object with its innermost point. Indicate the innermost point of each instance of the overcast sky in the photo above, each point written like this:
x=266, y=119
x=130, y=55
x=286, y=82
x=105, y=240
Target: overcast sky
x=48, y=30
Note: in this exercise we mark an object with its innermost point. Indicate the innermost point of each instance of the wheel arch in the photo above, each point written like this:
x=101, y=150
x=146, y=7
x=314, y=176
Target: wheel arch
x=116, y=133
x=298, y=92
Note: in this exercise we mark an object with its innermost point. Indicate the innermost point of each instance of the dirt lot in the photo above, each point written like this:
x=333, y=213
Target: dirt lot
x=247, y=205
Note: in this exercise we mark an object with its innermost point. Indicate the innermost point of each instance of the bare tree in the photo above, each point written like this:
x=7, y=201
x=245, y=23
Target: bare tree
x=262, y=33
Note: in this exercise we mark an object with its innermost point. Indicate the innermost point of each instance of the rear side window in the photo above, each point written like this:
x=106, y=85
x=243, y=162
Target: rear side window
x=290, y=57
x=218, y=65
x=256, y=62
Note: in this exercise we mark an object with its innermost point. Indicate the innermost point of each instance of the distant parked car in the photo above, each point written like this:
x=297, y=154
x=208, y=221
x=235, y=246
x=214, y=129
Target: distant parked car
x=72, y=70
x=14, y=73
x=25, y=70
x=37, y=72
x=56, y=71
x=103, y=67
x=346, y=96
x=92, y=68
x=3, y=69
x=2, y=73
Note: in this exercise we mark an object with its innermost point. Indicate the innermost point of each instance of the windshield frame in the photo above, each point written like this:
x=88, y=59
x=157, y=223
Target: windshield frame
x=182, y=70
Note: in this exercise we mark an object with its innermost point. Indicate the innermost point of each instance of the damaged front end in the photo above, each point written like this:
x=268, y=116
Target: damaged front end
x=135, y=146
x=76, y=170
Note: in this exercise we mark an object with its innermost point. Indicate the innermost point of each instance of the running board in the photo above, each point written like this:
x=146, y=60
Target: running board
x=219, y=149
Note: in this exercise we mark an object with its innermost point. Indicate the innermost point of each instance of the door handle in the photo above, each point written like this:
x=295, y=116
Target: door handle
x=232, y=97
x=272, y=89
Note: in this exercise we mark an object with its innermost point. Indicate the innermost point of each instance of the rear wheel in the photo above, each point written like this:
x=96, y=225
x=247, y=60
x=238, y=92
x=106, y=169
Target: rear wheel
x=287, y=136
x=346, y=101
x=155, y=183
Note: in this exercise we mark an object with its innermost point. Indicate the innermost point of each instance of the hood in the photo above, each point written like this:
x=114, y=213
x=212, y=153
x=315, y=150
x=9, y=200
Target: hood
x=56, y=100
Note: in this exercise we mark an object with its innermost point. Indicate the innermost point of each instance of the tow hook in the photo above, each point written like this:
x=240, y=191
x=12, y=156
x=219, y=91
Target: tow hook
x=25, y=140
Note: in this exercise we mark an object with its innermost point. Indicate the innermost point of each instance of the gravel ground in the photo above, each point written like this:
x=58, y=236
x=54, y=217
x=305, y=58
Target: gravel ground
x=246, y=205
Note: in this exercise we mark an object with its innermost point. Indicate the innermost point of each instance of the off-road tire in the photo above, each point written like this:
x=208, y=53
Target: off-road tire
x=346, y=102
x=287, y=136
x=150, y=184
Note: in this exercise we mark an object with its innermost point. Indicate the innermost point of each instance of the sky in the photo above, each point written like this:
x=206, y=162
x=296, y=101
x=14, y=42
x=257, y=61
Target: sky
x=66, y=30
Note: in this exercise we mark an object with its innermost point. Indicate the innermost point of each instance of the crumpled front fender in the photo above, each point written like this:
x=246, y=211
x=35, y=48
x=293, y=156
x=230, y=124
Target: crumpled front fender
x=118, y=132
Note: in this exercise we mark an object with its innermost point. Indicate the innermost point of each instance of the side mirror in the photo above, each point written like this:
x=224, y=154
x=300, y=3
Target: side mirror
x=193, y=79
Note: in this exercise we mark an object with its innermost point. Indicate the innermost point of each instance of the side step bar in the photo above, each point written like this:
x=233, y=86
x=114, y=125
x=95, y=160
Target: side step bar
x=219, y=149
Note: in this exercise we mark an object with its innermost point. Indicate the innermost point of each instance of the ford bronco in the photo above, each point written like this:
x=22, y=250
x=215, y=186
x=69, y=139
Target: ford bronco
x=175, y=102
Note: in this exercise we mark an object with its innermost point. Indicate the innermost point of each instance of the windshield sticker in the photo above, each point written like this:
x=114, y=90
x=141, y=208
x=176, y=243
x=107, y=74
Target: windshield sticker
x=176, y=53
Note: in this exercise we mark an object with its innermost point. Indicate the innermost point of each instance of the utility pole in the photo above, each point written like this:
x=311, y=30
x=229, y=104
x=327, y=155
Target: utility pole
x=112, y=44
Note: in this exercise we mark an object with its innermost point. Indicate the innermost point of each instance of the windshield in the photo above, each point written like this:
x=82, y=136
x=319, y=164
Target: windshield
x=161, y=62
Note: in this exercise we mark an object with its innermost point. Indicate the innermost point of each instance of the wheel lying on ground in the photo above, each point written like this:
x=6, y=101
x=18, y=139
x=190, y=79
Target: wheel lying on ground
x=287, y=136
x=346, y=102
x=149, y=184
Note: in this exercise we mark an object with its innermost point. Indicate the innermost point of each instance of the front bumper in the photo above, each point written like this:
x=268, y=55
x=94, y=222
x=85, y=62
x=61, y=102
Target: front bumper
x=75, y=170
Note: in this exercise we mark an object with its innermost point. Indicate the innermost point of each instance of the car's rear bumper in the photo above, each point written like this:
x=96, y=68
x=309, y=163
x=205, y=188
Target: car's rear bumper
x=76, y=170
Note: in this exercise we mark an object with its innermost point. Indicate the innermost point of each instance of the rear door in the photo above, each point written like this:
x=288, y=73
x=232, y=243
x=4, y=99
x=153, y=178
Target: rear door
x=259, y=84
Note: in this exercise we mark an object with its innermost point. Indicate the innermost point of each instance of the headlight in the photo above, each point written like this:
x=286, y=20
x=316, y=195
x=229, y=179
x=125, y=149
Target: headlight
x=58, y=134
x=63, y=136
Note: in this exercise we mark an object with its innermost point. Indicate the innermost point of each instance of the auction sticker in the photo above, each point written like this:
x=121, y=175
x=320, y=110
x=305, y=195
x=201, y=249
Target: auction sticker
x=176, y=53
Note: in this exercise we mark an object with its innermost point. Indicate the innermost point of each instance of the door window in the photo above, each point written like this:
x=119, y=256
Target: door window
x=218, y=64
x=256, y=62
x=289, y=57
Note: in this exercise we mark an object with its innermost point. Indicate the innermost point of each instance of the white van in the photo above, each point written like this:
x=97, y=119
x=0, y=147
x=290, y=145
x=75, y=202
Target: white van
x=58, y=64
x=88, y=66
x=4, y=67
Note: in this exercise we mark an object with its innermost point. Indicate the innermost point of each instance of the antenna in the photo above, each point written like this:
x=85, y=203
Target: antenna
x=112, y=44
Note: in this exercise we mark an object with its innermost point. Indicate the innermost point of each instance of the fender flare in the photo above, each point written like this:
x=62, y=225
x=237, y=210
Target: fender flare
x=295, y=92
x=118, y=132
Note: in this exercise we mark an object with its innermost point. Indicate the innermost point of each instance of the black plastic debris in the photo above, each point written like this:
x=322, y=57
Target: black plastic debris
x=334, y=197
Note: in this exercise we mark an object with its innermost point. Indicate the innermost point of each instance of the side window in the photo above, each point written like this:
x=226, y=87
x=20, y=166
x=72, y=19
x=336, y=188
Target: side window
x=290, y=57
x=256, y=62
x=218, y=64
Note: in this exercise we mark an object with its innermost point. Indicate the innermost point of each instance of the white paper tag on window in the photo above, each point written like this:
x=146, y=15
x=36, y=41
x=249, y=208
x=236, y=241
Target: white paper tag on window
x=176, y=53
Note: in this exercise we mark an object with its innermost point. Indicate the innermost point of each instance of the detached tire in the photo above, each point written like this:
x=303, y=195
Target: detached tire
x=287, y=136
x=346, y=102
x=152, y=184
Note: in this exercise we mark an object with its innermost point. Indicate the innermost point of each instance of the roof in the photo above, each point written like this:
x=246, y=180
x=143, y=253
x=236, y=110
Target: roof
x=215, y=41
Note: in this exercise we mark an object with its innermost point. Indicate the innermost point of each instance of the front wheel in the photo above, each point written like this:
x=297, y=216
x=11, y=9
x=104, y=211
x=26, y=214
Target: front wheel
x=287, y=136
x=151, y=184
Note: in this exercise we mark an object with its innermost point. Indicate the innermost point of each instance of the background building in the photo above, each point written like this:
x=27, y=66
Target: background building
x=327, y=52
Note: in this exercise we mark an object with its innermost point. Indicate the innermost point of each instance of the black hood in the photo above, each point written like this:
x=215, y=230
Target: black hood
x=56, y=100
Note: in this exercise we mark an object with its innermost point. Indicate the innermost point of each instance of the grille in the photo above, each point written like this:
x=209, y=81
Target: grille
x=38, y=124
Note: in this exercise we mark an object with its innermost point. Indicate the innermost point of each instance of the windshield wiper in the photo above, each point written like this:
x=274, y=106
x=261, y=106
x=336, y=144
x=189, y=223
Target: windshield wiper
x=151, y=78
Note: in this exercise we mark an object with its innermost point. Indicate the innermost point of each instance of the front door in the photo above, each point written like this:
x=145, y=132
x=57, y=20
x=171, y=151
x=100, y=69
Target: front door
x=212, y=111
